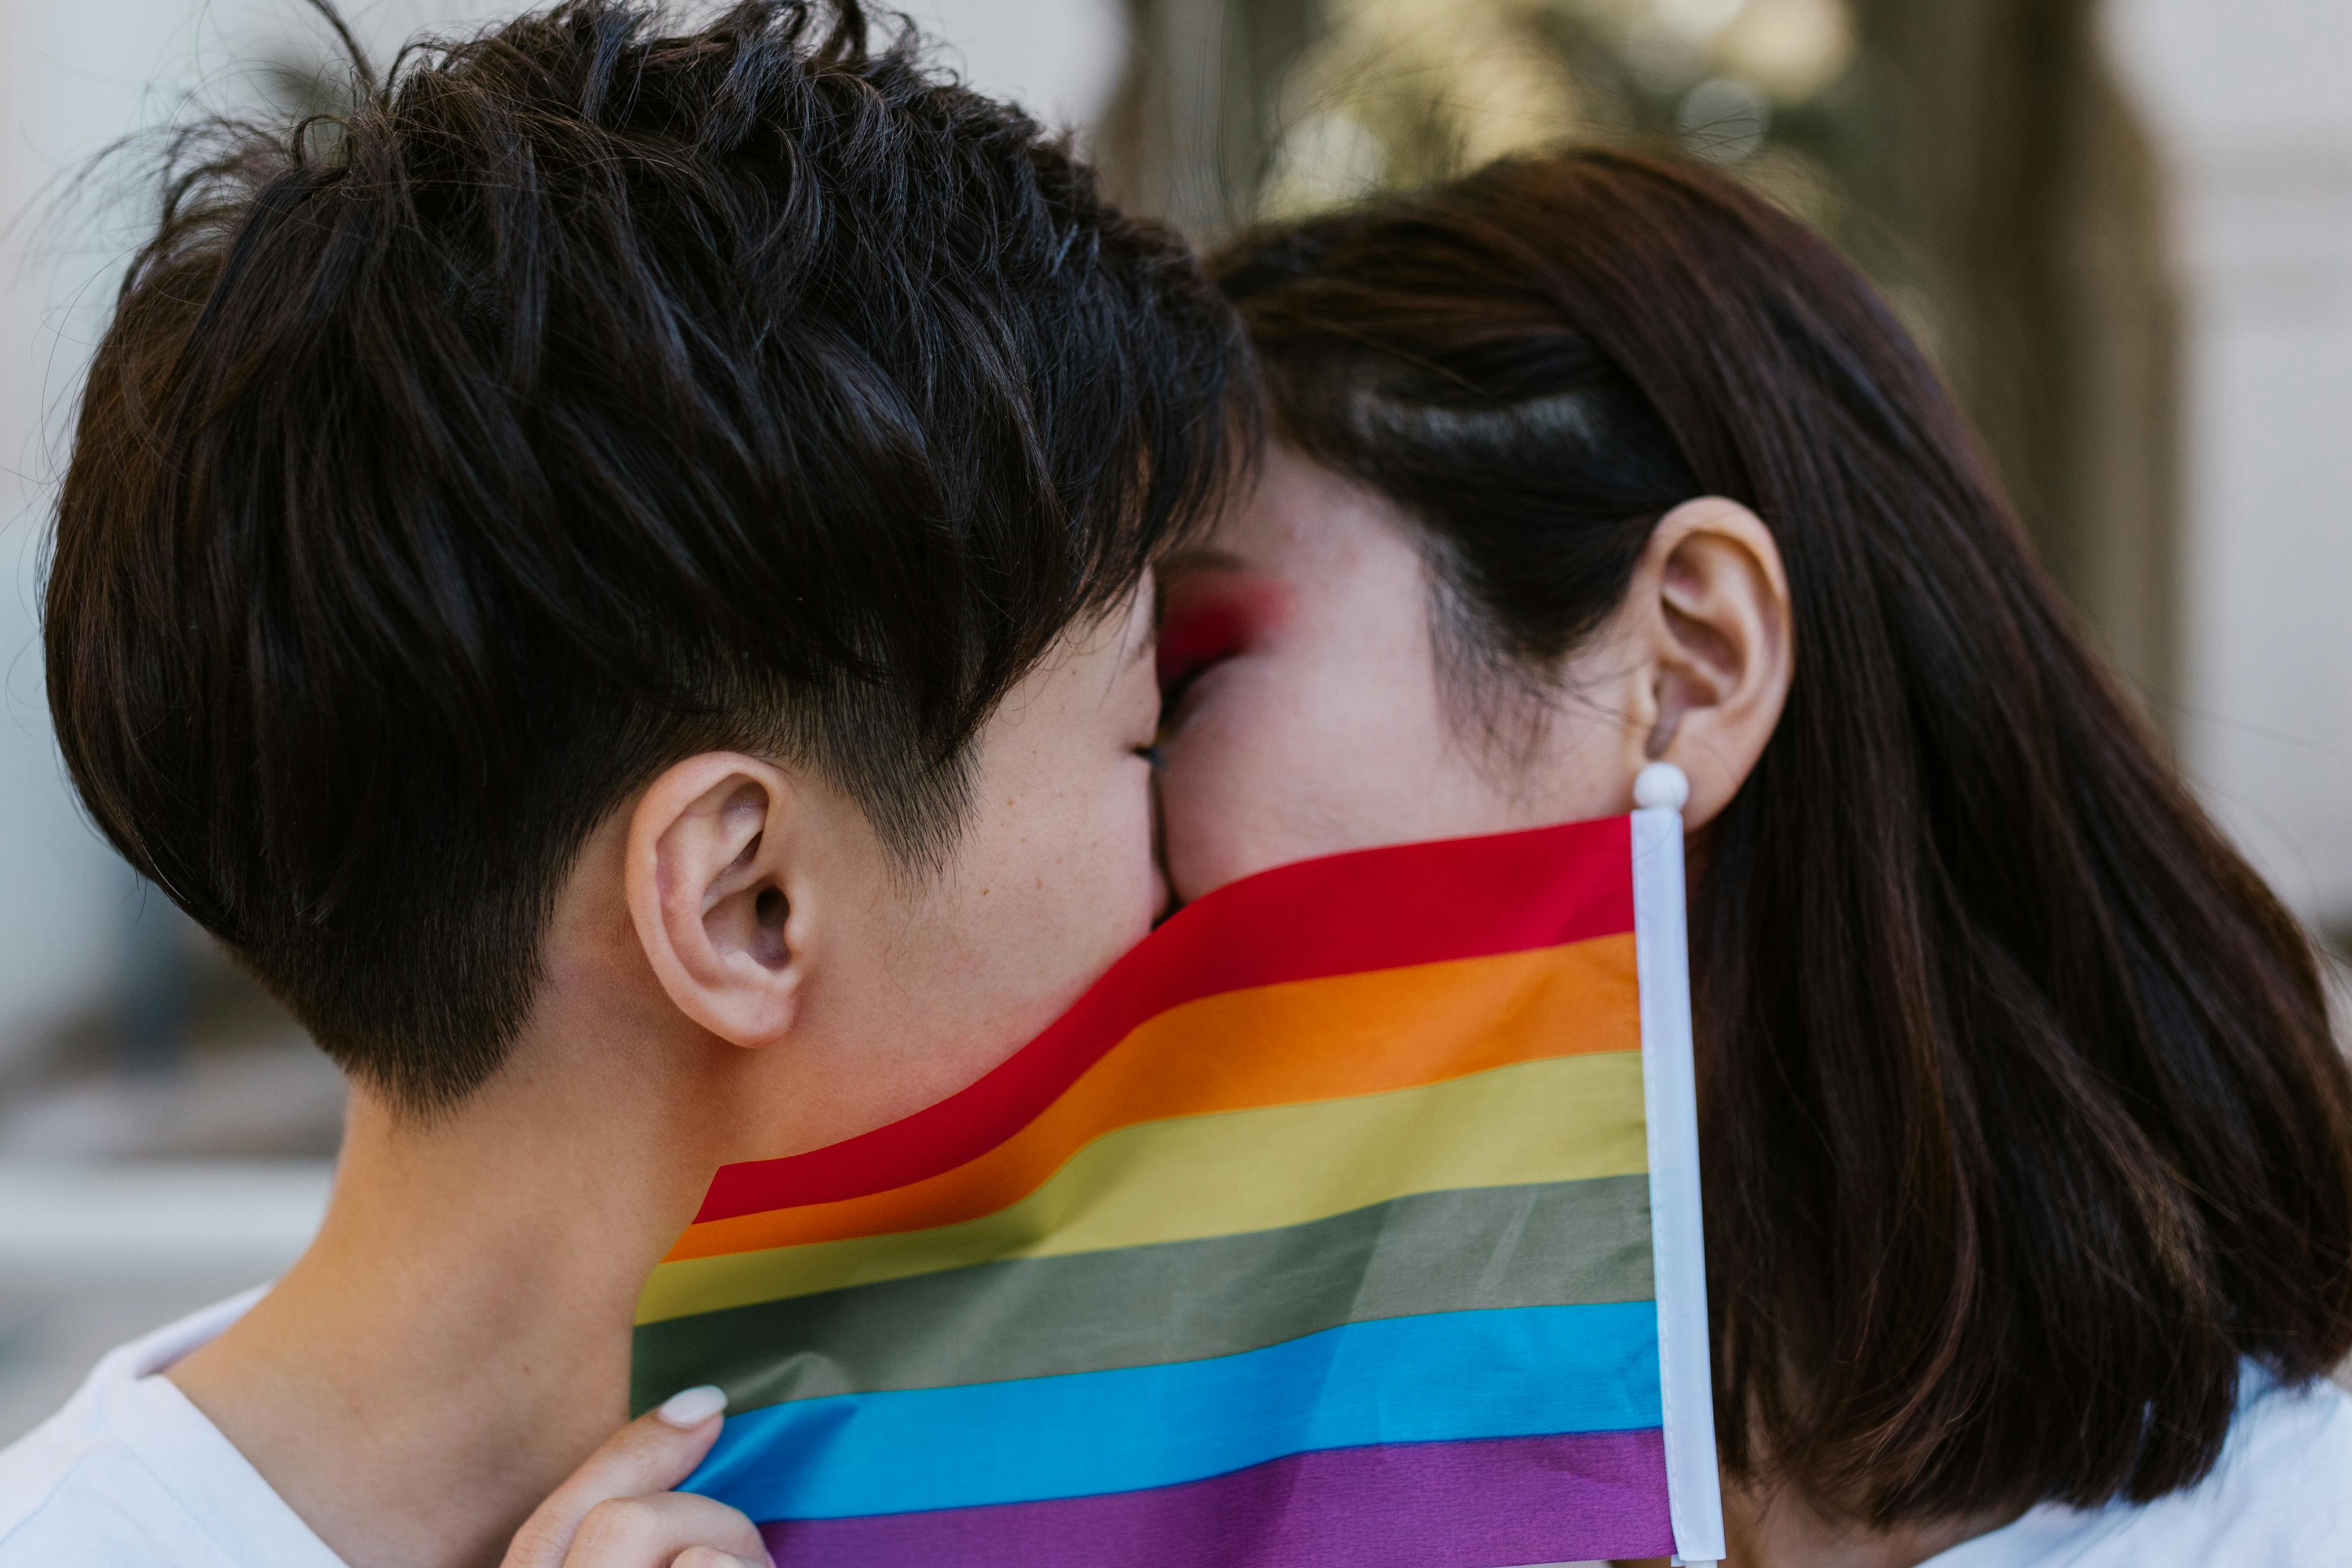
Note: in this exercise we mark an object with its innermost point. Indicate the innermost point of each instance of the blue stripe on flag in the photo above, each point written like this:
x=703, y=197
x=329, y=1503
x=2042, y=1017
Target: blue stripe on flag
x=1507, y=1373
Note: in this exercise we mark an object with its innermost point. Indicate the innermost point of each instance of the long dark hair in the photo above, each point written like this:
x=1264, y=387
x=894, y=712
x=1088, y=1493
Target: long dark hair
x=2022, y=1121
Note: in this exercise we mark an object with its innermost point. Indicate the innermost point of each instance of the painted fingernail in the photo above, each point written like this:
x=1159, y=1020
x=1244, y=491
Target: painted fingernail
x=692, y=1407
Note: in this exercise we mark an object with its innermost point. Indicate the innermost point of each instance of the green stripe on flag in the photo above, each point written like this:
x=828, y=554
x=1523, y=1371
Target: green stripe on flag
x=1547, y=1244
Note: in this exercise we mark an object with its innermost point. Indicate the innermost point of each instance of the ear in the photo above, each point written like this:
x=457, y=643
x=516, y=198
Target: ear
x=1709, y=620
x=709, y=894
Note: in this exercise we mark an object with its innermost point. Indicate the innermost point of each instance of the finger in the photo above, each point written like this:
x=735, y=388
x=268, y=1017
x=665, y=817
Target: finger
x=651, y=1532
x=651, y=1454
x=711, y=1557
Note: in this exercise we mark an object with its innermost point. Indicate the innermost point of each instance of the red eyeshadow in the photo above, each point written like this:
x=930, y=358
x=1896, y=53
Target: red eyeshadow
x=1208, y=621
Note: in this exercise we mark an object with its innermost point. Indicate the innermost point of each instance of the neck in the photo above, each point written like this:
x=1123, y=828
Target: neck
x=459, y=1330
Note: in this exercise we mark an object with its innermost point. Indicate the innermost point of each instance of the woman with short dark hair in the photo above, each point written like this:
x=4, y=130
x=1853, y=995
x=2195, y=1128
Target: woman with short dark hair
x=2028, y=1150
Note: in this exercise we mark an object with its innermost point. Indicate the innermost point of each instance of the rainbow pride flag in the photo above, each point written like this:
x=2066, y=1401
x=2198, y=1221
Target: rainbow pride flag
x=1352, y=1220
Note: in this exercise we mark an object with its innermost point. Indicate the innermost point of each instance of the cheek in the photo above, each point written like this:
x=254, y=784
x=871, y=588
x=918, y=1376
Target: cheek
x=1052, y=885
x=1118, y=889
x=1075, y=883
x=1239, y=772
x=1285, y=760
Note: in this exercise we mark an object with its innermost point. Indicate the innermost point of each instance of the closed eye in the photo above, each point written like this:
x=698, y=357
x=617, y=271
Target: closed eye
x=1195, y=641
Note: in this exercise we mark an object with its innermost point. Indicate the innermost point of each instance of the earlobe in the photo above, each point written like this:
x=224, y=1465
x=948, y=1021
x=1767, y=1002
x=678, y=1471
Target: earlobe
x=1714, y=599
x=710, y=893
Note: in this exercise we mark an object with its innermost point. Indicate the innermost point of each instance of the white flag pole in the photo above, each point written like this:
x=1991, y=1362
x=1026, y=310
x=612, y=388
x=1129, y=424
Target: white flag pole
x=1670, y=1100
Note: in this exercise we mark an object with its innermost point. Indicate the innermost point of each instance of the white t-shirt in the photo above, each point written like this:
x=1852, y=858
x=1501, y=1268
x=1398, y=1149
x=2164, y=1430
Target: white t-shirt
x=131, y=1475
x=2281, y=1496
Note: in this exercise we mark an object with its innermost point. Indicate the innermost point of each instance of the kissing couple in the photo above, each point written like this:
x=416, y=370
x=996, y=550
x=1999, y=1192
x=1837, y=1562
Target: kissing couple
x=678, y=590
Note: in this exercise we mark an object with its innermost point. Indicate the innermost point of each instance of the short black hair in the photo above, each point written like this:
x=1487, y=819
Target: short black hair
x=594, y=392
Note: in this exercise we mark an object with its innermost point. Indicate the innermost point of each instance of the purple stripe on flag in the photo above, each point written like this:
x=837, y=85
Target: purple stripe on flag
x=1479, y=1503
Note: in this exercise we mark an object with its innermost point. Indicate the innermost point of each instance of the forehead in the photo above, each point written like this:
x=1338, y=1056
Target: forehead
x=1297, y=520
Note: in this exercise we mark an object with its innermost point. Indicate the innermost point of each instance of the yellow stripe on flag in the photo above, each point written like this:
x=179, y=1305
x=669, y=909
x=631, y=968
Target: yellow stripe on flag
x=1283, y=1044
x=1188, y=1179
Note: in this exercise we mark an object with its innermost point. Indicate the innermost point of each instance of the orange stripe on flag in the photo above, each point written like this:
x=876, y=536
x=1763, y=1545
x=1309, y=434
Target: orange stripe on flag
x=1325, y=1038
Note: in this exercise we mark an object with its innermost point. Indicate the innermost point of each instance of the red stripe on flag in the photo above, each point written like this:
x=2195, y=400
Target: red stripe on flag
x=1344, y=914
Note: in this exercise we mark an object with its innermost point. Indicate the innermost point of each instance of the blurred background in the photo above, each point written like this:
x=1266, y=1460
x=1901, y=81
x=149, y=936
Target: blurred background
x=2124, y=229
